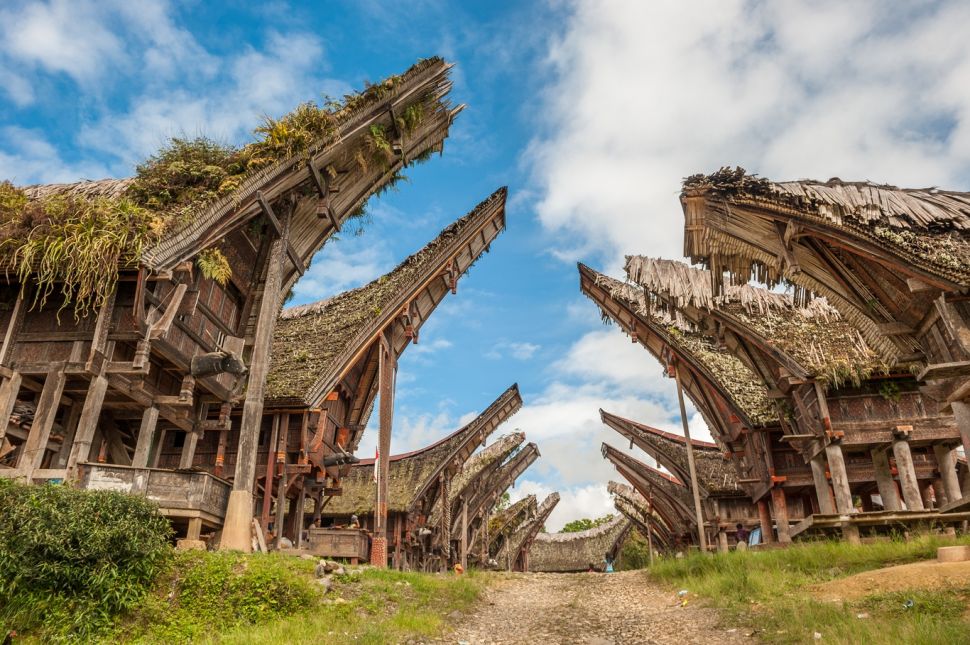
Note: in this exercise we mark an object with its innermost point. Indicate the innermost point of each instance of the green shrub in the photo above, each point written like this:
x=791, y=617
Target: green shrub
x=72, y=560
x=209, y=591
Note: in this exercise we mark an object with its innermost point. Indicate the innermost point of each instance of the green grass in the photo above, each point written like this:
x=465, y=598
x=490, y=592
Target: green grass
x=381, y=607
x=769, y=591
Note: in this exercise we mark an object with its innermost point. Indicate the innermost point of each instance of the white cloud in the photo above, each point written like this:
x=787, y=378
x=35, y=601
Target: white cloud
x=28, y=157
x=646, y=93
x=574, y=503
x=520, y=351
x=343, y=264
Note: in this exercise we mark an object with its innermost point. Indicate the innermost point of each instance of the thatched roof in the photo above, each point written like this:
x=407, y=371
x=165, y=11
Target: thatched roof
x=502, y=524
x=671, y=497
x=528, y=529
x=732, y=377
x=412, y=474
x=494, y=482
x=314, y=344
x=425, y=82
x=563, y=552
x=750, y=227
x=637, y=509
x=813, y=336
x=715, y=473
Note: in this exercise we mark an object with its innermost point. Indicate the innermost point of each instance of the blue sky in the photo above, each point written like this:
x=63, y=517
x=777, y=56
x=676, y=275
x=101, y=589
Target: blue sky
x=591, y=112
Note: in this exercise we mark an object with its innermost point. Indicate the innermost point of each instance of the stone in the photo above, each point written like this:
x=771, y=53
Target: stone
x=321, y=569
x=953, y=553
x=184, y=544
x=326, y=583
x=339, y=571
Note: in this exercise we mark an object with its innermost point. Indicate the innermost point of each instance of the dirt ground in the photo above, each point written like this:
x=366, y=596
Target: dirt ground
x=928, y=575
x=590, y=608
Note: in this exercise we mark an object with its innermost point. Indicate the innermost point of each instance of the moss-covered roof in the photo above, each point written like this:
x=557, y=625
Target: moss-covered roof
x=313, y=342
x=556, y=552
x=502, y=524
x=186, y=197
x=733, y=377
x=927, y=227
x=815, y=335
x=666, y=486
x=715, y=474
x=411, y=473
x=528, y=529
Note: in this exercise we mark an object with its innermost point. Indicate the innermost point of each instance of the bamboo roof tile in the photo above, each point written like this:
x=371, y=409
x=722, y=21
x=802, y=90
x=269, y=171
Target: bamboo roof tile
x=561, y=552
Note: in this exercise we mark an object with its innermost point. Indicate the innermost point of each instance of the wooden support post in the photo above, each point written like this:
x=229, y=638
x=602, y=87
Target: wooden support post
x=195, y=528
x=270, y=475
x=946, y=462
x=281, y=469
x=939, y=493
x=70, y=431
x=907, y=475
x=32, y=453
x=884, y=480
x=188, y=449
x=300, y=515
x=386, y=366
x=926, y=494
x=822, y=491
x=237, y=529
x=780, y=507
x=650, y=532
x=91, y=411
x=220, y=464
x=8, y=399
x=464, y=533
x=722, y=540
x=764, y=515
x=840, y=479
x=961, y=412
x=695, y=489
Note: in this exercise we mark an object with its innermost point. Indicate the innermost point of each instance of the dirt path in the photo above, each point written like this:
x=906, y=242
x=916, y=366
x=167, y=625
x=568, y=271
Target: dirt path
x=595, y=609
x=929, y=575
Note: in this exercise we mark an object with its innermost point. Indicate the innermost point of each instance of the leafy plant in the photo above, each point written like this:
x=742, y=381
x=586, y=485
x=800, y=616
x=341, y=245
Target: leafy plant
x=214, y=265
x=72, y=560
x=584, y=524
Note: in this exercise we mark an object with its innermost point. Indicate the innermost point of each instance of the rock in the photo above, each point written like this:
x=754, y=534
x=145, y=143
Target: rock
x=953, y=553
x=455, y=616
x=326, y=583
x=339, y=571
x=307, y=556
x=190, y=545
x=321, y=569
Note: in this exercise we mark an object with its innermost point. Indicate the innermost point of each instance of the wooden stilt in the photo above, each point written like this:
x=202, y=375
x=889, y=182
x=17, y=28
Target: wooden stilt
x=70, y=431
x=780, y=507
x=822, y=492
x=188, y=449
x=281, y=469
x=237, y=531
x=961, y=412
x=8, y=399
x=33, y=450
x=90, y=414
x=270, y=475
x=695, y=488
x=195, y=528
x=764, y=515
x=907, y=475
x=946, y=462
x=386, y=368
x=146, y=436
x=464, y=533
x=884, y=480
x=840, y=479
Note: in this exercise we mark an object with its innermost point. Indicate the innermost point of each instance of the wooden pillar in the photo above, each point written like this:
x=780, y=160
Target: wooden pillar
x=780, y=507
x=9, y=389
x=32, y=453
x=70, y=431
x=650, y=533
x=722, y=540
x=90, y=414
x=270, y=474
x=237, y=531
x=939, y=493
x=840, y=479
x=822, y=492
x=764, y=515
x=946, y=462
x=695, y=489
x=464, y=533
x=300, y=516
x=195, y=528
x=387, y=364
x=884, y=480
x=156, y=453
x=146, y=436
x=281, y=469
x=961, y=412
x=907, y=475
x=188, y=449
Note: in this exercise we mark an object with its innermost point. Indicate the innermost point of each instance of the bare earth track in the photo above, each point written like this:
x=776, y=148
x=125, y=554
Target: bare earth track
x=590, y=608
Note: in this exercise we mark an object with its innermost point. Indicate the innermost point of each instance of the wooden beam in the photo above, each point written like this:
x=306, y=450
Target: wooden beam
x=32, y=453
x=944, y=370
x=146, y=436
x=324, y=189
x=161, y=327
x=271, y=216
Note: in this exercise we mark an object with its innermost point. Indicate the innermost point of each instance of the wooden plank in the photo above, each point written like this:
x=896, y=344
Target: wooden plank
x=32, y=453
x=146, y=435
x=962, y=504
x=944, y=370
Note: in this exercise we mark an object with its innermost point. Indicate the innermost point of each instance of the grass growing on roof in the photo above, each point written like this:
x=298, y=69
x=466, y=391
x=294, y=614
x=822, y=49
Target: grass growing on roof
x=770, y=591
x=214, y=265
